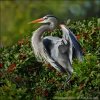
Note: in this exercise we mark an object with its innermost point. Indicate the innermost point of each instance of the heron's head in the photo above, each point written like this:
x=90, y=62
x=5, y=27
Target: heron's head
x=48, y=19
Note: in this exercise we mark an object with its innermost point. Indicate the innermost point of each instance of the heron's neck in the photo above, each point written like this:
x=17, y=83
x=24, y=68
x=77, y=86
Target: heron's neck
x=39, y=32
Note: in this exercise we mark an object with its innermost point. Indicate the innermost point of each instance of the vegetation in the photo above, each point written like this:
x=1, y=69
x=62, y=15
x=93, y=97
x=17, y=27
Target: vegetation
x=22, y=77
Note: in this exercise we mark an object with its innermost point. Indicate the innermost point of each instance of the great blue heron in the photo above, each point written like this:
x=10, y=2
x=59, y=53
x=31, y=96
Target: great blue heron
x=54, y=50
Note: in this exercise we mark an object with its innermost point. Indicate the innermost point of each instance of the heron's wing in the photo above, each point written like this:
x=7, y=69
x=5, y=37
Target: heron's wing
x=47, y=42
x=58, y=54
x=77, y=50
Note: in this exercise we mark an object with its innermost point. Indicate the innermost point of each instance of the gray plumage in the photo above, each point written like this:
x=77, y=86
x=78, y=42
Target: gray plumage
x=54, y=50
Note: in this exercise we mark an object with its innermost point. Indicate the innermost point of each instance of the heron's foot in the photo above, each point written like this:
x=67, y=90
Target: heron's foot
x=66, y=86
x=68, y=78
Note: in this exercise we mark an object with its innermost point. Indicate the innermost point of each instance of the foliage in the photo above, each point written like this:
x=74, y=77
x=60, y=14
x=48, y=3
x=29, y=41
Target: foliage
x=22, y=77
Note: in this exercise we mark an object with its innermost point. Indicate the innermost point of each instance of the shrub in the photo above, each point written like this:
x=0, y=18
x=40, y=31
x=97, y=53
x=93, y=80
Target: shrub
x=22, y=77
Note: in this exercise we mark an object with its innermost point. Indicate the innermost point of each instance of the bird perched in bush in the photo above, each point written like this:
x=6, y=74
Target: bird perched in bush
x=55, y=50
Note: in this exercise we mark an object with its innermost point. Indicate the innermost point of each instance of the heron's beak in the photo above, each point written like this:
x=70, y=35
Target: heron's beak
x=37, y=21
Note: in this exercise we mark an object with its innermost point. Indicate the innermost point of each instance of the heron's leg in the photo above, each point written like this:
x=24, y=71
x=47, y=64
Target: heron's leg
x=68, y=77
x=67, y=80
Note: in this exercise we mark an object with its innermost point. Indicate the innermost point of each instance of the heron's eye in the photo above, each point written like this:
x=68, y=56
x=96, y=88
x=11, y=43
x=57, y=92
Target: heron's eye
x=45, y=17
